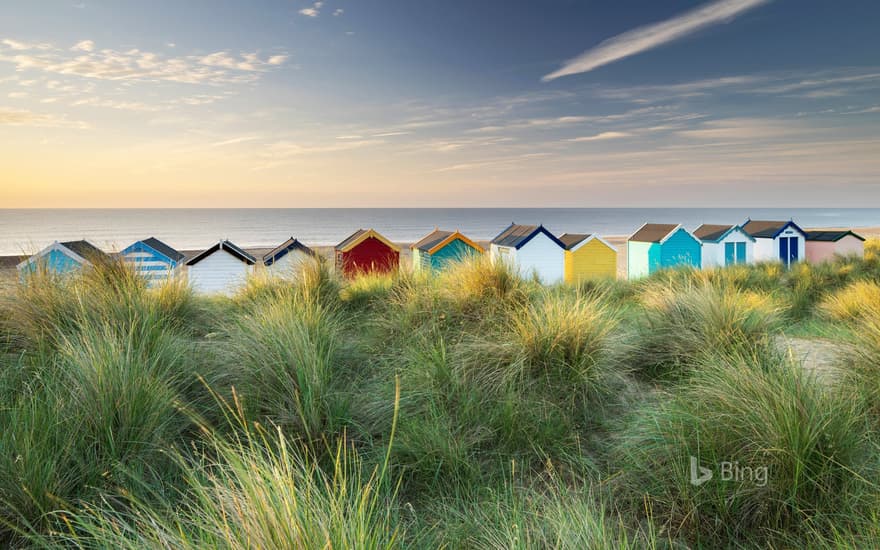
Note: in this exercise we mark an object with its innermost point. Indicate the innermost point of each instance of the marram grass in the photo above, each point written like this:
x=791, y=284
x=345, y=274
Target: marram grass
x=470, y=407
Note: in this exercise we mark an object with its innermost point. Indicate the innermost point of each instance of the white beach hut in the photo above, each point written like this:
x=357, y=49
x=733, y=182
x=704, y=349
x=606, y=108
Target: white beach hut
x=223, y=268
x=532, y=250
x=725, y=245
x=781, y=241
x=288, y=258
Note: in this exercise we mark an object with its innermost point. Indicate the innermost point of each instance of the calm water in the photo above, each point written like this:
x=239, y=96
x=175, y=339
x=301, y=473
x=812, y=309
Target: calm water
x=29, y=230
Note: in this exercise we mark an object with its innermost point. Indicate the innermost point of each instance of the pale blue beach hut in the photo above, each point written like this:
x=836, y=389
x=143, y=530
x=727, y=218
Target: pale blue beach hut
x=62, y=258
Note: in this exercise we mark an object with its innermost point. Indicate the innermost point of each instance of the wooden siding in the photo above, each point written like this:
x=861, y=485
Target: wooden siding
x=289, y=265
x=148, y=263
x=824, y=251
x=593, y=260
x=221, y=272
x=543, y=258
x=55, y=261
x=455, y=251
x=642, y=259
x=680, y=249
x=369, y=256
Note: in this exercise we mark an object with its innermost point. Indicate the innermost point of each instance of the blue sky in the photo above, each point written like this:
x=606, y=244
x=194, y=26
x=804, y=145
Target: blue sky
x=454, y=103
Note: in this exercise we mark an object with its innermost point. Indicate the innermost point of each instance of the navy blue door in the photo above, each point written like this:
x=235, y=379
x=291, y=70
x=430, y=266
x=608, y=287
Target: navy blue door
x=792, y=250
x=783, y=249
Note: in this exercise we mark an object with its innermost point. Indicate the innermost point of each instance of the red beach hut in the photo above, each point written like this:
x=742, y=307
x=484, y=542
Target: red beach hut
x=366, y=251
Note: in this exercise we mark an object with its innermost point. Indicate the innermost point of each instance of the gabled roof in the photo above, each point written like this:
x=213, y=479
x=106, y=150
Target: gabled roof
x=240, y=254
x=164, y=249
x=768, y=229
x=437, y=239
x=659, y=233
x=285, y=247
x=654, y=232
x=360, y=236
x=714, y=233
x=84, y=249
x=516, y=236
x=832, y=235
x=573, y=241
x=71, y=249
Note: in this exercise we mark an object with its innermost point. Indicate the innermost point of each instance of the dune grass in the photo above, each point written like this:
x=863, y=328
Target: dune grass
x=467, y=408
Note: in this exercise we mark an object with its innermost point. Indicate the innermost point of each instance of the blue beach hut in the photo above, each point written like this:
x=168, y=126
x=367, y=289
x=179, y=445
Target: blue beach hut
x=62, y=258
x=153, y=259
x=658, y=246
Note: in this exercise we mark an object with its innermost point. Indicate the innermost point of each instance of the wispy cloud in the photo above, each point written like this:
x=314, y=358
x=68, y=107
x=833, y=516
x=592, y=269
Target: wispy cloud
x=20, y=46
x=107, y=64
x=312, y=11
x=601, y=136
x=20, y=117
x=338, y=11
x=651, y=36
x=83, y=46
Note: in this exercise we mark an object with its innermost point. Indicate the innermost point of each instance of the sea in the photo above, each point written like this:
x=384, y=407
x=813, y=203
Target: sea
x=24, y=231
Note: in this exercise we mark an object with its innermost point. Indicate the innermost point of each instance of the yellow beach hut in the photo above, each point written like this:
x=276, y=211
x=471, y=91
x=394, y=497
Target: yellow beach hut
x=588, y=257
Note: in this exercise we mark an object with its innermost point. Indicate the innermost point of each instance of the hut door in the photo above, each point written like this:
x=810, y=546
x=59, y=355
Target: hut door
x=729, y=253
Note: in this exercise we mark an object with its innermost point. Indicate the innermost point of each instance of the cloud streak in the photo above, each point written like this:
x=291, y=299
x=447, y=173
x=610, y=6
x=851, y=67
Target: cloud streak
x=651, y=36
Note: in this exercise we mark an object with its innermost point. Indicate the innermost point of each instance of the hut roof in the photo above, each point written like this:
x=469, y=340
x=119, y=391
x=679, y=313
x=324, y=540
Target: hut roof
x=654, y=232
x=437, y=239
x=240, y=254
x=768, y=228
x=516, y=236
x=832, y=235
x=714, y=233
x=361, y=235
x=84, y=249
x=572, y=239
x=164, y=249
x=284, y=248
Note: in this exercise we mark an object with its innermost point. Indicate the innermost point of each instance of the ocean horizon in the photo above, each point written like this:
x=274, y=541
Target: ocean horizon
x=24, y=231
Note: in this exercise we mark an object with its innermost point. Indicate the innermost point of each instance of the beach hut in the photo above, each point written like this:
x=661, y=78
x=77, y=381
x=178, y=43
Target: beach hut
x=658, y=246
x=153, y=259
x=63, y=257
x=588, y=257
x=287, y=258
x=532, y=250
x=439, y=248
x=220, y=269
x=366, y=251
x=824, y=245
x=777, y=240
x=725, y=245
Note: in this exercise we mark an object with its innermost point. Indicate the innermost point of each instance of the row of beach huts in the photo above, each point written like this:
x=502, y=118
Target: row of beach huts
x=532, y=249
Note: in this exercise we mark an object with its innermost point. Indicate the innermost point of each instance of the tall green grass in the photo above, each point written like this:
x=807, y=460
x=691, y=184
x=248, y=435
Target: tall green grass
x=253, y=490
x=523, y=416
x=756, y=413
x=680, y=326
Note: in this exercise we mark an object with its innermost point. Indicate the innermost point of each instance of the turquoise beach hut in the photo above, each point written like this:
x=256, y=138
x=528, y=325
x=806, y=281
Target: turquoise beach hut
x=153, y=259
x=439, y=248
x=62, y=258
x=658, y=246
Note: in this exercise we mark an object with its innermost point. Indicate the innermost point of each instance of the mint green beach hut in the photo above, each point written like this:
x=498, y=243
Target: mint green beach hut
x=658, y=246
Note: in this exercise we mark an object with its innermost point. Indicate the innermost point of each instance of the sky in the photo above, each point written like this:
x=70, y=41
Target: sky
x=453, y=103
